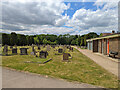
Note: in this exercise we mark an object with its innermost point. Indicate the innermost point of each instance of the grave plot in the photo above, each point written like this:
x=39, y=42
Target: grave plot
x=5, y=50
x=14, y=50
x=71, y=49
x=66, y=57
x=43, y=54
x=11, y=47
x=59, y=51
x=39, y=47
x=23, y=51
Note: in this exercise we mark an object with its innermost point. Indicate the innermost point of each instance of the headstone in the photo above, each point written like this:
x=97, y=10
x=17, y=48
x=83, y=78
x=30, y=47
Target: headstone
x=5, y=50
x=43, y=54
x=53, y=46
x=48, y=48
x=43, y=46
x=33, y=48
x=66, y=56
x=11, y=47
x=14, y=51
x=64, y=48
x=23, y=51
x=15, y=46
x=71, y=49
x=38, y=47
x=60, y=50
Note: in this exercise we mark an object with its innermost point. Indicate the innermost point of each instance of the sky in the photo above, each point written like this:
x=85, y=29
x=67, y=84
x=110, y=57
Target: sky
x=32, y=17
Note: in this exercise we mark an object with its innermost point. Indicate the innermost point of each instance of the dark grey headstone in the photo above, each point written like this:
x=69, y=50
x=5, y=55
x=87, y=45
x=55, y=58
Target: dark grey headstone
x=23, y=51
x=11, y=47
x=14, y=51
x=60, y=50
x=38, y=47
x=65, y=56
x=43, y=54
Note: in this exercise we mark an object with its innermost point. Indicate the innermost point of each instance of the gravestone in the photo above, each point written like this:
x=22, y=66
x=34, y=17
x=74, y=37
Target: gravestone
x=15, y=46
x=64, y=48
x=14, y=51
x=48, y=48
x=43, y=54
x=43, y=46
x=11, y=47
x=60, y=50
x=38, y=47
x=66, y=56
x=23, y=51
x=71, y=49
x=53, y=46
x=33, y=48
x=5, y=50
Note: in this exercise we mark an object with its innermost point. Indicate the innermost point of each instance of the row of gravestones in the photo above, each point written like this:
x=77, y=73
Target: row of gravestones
x=42, y=54
x=23, y=51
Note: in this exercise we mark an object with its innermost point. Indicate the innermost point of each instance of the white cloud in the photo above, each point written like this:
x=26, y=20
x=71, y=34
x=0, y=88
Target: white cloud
x=45, y=16
x=101, y=20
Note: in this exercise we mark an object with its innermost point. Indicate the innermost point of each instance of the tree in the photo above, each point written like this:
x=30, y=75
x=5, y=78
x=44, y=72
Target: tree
x=45, y=41
x=85, y=41
x=5, y=39
x=101, y=35
x=82, y=41
x=13, y=39
x=73, y=42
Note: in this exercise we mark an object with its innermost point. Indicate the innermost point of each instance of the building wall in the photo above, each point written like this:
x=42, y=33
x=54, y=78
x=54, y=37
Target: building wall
x=99, y=46
x=119, y=47
x=113, y=44
x=95, y=45
x=105, y=46
x=89, y=45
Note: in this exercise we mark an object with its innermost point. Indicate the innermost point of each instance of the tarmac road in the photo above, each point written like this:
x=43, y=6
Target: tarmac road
x=16, y=79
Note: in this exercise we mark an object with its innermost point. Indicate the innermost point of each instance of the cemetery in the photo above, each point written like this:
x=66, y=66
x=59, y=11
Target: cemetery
x=69, y=64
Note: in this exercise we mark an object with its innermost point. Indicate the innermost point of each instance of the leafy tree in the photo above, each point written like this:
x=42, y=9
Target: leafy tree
x=82, y=41
x=5, y=39
x=101, y=35
x=73, y=42
x=13, y=38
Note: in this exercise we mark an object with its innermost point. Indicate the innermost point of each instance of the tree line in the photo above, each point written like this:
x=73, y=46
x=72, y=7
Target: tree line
x=66, y=39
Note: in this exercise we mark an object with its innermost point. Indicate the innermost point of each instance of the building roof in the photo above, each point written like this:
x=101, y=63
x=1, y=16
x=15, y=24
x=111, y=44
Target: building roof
x=103, y=37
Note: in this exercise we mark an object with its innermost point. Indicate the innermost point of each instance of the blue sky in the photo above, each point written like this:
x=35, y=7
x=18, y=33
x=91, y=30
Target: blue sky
x=78, y=5
x=58, y=17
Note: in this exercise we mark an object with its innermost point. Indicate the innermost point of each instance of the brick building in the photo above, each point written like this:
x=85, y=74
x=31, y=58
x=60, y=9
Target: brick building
x=105, y=44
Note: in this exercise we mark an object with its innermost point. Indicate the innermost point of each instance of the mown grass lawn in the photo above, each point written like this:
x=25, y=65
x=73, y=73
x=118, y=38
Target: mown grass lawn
x=80, y=68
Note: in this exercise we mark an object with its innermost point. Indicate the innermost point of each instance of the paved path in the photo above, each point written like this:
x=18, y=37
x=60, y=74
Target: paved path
x=15, y=79
x=103, y=61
